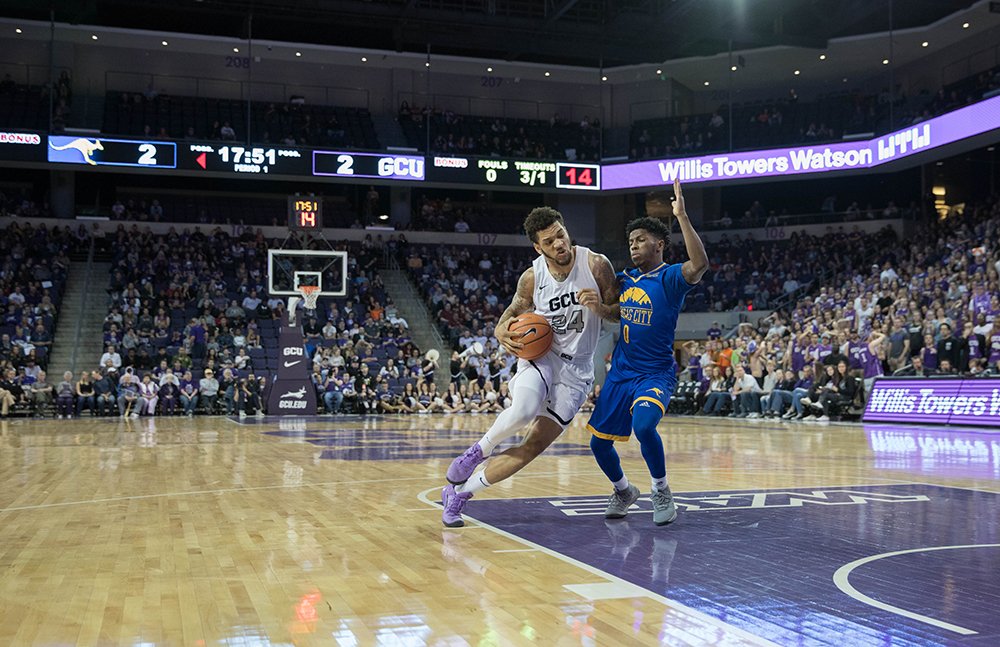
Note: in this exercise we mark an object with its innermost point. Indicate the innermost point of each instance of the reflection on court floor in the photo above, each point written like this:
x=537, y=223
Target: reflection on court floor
x=790, y=565
x=327, y=531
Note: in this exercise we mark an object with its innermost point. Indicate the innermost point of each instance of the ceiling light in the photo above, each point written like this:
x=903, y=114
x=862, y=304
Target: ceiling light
x=17, y=30
x=298, y=53
x=924, y=44
x=164, y=43
x=384, y=216
x=991, y=148
x=845, y=79
x=489, y=69
x=733, y=68
x=885, y=61
x=548, y=74
x=797, y=72
x=427, y=64
x=965, y=25
x=604, y=78
x=707, y=83
x=93, y=37
x=236, y=50
x=364, y=59
x=657, y=71
x=822, y=57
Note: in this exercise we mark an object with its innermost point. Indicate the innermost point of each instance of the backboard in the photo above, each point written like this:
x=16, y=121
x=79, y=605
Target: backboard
x=287, y=269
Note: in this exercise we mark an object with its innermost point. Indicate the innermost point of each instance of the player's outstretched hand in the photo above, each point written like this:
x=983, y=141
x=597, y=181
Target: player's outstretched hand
x=509, y=339
x=591, y=299
x=679, y=207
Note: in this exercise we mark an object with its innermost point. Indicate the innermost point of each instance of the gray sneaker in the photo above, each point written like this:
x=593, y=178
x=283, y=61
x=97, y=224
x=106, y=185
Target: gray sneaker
x=621, y=501
x=664, y=511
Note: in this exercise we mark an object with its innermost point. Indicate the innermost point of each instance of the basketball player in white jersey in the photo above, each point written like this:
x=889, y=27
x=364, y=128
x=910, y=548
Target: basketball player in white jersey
x=573, y=288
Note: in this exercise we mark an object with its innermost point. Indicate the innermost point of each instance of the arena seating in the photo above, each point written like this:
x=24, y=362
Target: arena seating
x=24, y=107
x=555, y=138
x=791, y=122
x=934, y=296
x=294, y=123
x=34, y=264
x=155, y=293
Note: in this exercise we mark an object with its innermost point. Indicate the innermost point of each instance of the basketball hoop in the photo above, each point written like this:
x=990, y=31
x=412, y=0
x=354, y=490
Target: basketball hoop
x=310, y=294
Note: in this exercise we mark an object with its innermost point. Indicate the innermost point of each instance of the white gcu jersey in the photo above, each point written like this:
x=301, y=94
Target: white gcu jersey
x=575, y=327
x=567, y=370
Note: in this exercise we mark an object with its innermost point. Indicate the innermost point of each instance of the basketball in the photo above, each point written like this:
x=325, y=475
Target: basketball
x=537, y=334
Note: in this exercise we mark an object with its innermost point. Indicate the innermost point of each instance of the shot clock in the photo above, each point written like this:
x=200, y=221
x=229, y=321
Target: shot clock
x=305, y=213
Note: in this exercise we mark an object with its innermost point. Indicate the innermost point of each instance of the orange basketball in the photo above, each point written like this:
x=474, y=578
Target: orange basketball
x=537, y=334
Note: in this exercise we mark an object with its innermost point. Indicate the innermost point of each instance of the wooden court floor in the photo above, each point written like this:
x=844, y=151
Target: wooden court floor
x=326, y=531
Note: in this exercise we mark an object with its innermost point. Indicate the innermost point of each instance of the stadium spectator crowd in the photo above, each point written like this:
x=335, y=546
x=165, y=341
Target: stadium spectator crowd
x=928, y=305
x=190, y=330
x=455, y=134
x=34, y=264
x=789, y=121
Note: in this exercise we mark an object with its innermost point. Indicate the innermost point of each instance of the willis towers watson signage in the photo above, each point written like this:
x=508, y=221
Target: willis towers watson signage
x=292, y=391
x=953, y=401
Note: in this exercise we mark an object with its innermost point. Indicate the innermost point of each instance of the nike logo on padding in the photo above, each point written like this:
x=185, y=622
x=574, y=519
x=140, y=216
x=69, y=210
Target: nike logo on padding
x=288, y=364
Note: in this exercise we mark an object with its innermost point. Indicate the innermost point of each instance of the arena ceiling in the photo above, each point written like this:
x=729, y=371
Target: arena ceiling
x=585, y=33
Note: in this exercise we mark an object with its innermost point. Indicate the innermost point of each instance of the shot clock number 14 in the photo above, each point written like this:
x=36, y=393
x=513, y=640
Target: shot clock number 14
x=305, y=213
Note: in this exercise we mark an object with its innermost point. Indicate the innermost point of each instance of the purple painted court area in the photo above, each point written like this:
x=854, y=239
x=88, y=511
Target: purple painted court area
x=765, y=561
x=385, y=443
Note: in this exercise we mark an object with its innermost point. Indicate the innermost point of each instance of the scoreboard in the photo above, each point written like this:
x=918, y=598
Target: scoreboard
x=232, y=159
x=514, y=173
x=966, y=128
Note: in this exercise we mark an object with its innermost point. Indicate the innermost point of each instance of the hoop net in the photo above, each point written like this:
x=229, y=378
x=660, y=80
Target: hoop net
x=310, y=294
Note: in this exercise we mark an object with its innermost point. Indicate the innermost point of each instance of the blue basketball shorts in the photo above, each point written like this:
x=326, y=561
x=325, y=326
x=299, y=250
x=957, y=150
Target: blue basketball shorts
x=612, y=417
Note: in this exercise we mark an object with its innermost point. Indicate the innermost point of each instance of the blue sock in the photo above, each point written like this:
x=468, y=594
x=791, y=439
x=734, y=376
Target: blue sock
x=644, y=421
x=607, y=458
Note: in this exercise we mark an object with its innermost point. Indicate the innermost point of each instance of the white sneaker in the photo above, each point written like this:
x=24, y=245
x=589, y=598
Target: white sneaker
x=789, y=415
x=260, y=414
x=823, y=419
x=134, y=415
x=243, y=414
x=753, y=415
x=806, y=401
x=809, y=419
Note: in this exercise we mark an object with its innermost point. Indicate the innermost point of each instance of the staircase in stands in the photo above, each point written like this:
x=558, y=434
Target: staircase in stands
x=423, y=326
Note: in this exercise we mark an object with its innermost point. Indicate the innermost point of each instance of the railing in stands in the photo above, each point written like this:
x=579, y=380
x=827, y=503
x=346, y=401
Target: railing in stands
x=87, y=273
x=393, y=264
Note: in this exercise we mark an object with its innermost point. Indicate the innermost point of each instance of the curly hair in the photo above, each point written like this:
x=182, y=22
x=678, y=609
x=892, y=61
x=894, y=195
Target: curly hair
x=656, y=227
x=541, y=218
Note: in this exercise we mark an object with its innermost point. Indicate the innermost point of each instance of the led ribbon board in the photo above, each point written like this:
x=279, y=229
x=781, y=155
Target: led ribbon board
x=961, y=124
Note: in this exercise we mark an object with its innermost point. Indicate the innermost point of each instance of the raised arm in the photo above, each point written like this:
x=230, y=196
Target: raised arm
x=697, y=264
x=522, y=302
x=604, y=304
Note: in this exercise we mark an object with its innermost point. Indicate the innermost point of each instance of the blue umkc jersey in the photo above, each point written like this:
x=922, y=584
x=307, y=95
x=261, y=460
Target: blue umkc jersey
x=650, y=304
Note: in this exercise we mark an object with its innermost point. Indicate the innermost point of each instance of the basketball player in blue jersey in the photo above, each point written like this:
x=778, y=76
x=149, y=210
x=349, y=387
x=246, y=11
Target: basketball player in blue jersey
x=642, y=377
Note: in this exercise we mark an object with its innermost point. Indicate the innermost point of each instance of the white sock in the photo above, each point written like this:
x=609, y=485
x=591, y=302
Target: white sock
x=659, y=484
x=527, y=397
x=476, y=483
x=621, y=484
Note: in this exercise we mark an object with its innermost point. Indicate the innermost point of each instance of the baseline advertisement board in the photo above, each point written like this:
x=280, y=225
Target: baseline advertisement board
x=945, y=401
